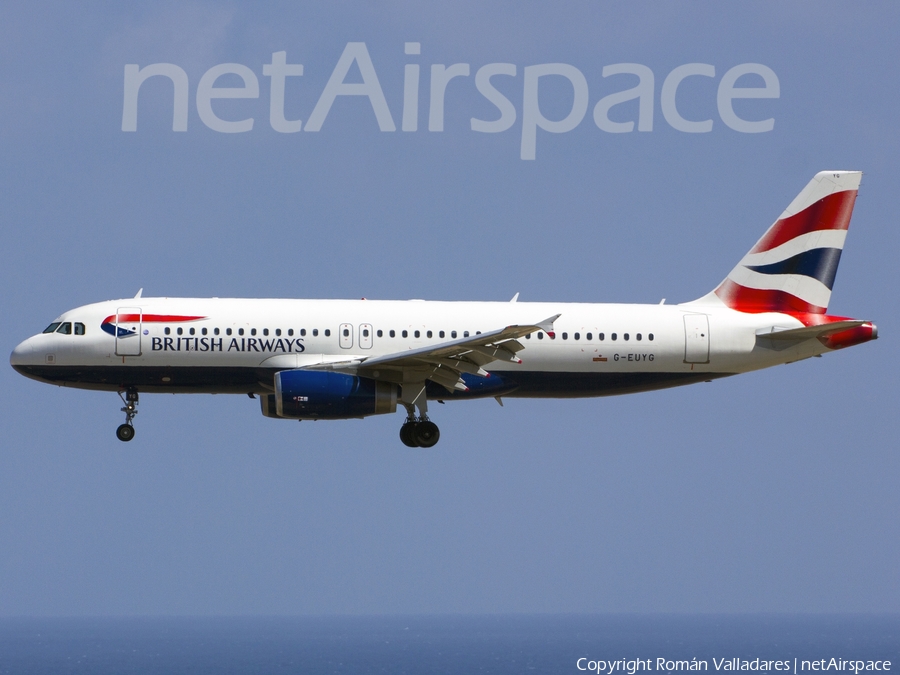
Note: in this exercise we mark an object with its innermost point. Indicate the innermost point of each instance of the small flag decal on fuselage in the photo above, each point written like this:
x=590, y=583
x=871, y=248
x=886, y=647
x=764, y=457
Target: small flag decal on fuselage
x=599, y=358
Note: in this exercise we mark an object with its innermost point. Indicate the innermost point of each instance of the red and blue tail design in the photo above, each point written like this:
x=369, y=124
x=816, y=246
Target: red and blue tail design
x=792, y=268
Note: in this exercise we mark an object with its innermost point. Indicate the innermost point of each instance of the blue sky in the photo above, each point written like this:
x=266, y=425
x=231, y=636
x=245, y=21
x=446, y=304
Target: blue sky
x=774, y=491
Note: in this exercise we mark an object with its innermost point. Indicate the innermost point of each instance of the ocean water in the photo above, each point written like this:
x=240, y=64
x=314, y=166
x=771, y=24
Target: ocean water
x=447, y=644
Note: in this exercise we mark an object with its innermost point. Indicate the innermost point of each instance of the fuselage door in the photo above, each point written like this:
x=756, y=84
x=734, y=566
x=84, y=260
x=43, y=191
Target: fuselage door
x=128, y=331
x=346, y=335
x=365, y=336
x=696, y=338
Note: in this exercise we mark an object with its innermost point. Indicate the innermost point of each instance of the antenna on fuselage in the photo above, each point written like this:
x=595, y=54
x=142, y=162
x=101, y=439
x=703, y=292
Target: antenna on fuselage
x=138, y=294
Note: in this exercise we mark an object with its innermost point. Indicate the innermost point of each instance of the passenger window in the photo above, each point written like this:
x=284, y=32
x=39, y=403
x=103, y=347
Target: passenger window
x=365, y=332
x=405, y=333
x=240, y=331
x=577, y=336
x=540, y=335
x=215, y=331
x=302, y=332
x=252, y=331
x=614, y=336
x=392, y=333
x=65, y=328
x=650, y=337
x=379, y=333
x=315, y=332
x=167, y=330
x=291, y=332
x=453, y=333
x=601, y=336
x=327, y=332
x=428, y=334
x=227, y=331
x=441, y=334
x=79, y=329
x=265, y=331
x=465, y=333
x=277, y=332
x=565, y=336
x=638, y=336
x=590, y=336
x=203, y=331
x=180, y=331
x=416, y=333
x=52, y=327
x=192, y=331
x=347, y=332
x=625, y=336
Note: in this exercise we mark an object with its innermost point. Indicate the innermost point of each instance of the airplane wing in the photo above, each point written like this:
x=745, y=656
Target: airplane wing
x=445, y=362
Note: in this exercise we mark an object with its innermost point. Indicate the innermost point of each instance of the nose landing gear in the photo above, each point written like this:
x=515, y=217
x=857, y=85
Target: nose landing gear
x=125, y=432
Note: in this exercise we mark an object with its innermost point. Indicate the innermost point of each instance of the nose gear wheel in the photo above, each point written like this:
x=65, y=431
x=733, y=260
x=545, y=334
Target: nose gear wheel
x=125, y=432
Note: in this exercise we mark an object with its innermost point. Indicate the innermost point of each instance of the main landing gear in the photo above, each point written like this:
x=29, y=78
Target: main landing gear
x=125, y=432
x=419, y=432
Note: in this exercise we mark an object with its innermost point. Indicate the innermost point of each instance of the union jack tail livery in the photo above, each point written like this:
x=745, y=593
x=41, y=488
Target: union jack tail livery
x=792, y=268
x=347, y=359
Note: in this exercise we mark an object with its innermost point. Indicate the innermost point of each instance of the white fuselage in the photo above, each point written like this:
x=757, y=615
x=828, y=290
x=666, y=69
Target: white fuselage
x=236, y=345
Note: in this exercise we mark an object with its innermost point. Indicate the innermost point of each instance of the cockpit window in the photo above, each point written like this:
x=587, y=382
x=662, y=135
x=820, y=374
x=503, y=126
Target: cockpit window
x=79, y=328
x=52, y=327
x=65, y=328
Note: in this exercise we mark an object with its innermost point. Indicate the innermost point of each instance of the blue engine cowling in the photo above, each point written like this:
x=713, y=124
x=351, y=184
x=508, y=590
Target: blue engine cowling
x=324, y=395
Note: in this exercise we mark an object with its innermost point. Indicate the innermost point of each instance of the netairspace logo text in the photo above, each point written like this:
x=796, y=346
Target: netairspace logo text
x=282, y=74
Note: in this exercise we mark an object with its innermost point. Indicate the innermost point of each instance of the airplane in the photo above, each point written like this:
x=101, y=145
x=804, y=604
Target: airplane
x=343, y=359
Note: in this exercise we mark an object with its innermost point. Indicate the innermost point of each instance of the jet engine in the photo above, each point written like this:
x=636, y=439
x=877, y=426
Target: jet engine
x=325, y=395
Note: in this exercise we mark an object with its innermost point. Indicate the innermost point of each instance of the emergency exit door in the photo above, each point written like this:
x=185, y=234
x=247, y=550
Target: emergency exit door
x=365, y=336
x=346, y=335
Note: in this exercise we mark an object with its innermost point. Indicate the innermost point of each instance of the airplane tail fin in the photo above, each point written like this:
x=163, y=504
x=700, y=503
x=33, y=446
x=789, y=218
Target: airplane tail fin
x=792, y=268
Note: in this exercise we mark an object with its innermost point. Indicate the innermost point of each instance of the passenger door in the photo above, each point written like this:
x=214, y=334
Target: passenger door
x=128, y=331
x=696, y=338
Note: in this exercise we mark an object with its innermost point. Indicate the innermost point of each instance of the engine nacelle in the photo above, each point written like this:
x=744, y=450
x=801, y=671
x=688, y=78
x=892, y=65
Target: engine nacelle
x=325, y=395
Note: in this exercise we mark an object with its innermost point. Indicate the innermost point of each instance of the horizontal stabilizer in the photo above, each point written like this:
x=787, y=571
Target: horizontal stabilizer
x=834, y=334
x=807, y=332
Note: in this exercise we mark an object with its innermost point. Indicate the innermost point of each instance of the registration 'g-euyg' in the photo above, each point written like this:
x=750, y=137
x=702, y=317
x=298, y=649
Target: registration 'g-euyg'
x=342, y=359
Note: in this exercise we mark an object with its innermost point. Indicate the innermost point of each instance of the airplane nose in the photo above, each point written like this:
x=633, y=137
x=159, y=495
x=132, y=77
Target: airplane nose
x=22, y=355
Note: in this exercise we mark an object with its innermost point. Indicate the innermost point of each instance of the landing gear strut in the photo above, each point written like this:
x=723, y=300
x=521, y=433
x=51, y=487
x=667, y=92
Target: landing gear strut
x=125, y=432
x=419, y=432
